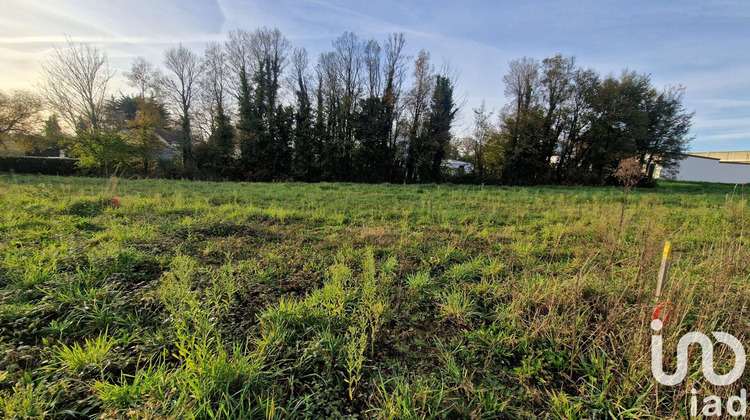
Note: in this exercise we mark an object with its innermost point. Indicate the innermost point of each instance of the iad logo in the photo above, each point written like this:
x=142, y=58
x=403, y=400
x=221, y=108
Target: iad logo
x=712, y=404
x=707, y=347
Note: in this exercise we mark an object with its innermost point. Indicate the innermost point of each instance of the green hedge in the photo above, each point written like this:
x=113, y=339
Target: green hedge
x=38, y=165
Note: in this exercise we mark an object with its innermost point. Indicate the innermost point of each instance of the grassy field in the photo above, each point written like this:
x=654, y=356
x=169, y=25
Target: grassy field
x=226, y=300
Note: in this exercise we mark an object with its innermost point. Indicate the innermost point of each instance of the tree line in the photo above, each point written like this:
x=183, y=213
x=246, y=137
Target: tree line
x=255, y=108
x=569, y=125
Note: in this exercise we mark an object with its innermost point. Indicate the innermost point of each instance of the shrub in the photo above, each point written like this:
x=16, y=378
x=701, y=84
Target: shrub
x=38, y=165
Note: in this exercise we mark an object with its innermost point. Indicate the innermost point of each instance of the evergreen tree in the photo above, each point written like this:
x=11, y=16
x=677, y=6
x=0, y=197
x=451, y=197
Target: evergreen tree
x=374, y=156
x=669, y=125
x=246, y=127
x=437, y=131
x=281, y=151
x=260, y=128
x=324, y=127
x=149, y=120
x=221, y=146
x=306, y=150
x=53, y=136
x=619, y=118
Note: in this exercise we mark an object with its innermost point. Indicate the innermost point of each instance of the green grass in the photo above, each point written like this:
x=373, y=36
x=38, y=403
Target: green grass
x=236, y=300
x=93, y=355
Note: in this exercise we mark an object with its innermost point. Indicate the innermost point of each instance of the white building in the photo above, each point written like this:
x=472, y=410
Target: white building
x=726, y=167
x=457, y=166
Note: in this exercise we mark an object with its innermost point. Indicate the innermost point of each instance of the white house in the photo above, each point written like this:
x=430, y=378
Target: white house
x=726, y=167
x=457, y=166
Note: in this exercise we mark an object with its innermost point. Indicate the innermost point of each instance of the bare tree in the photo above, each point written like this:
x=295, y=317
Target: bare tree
x=298, y=78
x=482, y=131
x=213, y=85
x=214, y=80
x=349, y=51
x=145, y=77
x=74, y=84
x=418, y=96
x=372, y=62
x=395, y=61
x=239, y=60
x=329, y=86
x=417, y=102
x=557, y=84
x=300, y=62
x=394, y=70
x=522, y=83
x=328, y=75
x=520, y=125
x=181, y=86
x=628, y=173
x=19, y=114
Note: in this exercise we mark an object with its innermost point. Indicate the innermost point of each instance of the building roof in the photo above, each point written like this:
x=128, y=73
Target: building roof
x=455, y=162
x=729, y=157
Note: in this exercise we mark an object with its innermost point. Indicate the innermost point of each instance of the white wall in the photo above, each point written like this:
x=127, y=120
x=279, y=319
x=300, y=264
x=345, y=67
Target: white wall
x=709, y=170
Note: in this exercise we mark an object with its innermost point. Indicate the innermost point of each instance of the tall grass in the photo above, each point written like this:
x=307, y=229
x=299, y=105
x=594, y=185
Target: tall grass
x=234, y=300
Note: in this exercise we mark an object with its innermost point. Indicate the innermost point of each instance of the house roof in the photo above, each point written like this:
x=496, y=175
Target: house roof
x=729, y=157
x=455, y=162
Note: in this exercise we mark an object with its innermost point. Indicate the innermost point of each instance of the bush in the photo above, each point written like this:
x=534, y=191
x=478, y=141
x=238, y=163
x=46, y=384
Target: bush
x=38, y=165
x=105, y=152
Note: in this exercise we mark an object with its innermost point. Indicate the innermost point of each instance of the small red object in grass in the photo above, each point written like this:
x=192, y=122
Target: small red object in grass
x=115, y=202
x=668, y=309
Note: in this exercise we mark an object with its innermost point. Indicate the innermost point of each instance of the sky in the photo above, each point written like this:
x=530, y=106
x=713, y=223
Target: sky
x=703, y=45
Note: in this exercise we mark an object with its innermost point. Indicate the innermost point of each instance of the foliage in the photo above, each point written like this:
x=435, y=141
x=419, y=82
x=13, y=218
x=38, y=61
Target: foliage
x=307, y=150
x=253, y=109
x=146, y=125
x=38, y=165
x=19, y=113
x=567, y=125
x=437, y=132
x=216, y=155
x=104, y=152
x=94, y=354
x=629, y=173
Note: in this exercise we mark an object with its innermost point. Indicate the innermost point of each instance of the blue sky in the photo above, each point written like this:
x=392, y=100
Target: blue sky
x=703, y=45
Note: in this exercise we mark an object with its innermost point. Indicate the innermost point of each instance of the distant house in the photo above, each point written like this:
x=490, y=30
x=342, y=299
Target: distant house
x=55, y=152
x=13, y=147
x=457, y=167
x=726, y=167
x=169, y=149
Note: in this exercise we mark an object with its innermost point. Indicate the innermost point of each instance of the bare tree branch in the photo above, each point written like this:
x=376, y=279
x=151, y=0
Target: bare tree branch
x=74, y=84
x=20, y=114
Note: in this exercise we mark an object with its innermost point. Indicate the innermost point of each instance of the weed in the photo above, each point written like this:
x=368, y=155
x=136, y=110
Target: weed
x=354, y=348
x=419, y=282
x=456, y=305
x=26, y=401
x=94, y=355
